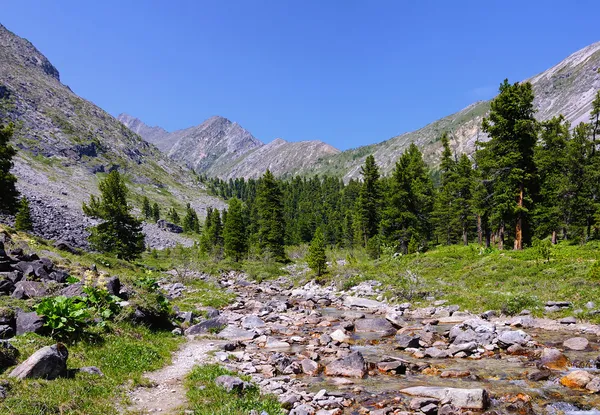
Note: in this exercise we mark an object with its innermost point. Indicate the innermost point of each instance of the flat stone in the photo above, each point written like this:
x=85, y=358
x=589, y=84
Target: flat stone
x=362, y=302
x=461, y=398
x=405, y=341
x=236, y=334
x=252, y=322
x=396, y=319
x=568, y=320
x=353, y=366
x=576, y=343
x=213, y=325
x=397, y=366
x=374, y=325
x=273, y=343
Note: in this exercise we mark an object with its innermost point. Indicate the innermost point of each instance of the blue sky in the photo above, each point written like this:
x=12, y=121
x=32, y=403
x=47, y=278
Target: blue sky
x=346, y=72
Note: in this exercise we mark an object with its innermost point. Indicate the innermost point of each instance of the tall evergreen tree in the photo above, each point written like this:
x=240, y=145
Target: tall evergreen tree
x=146, y=208
x=8, y=192
x=463, y=202
x=190, y=220
x=212, y=233
x=369, y=200
x=173, y=216
x=234, y=231
x=271, y=225
x=316, y=259
x=444, y=214
x=155, y=212
x=23, y=220
x=512, y=129
x=119, y=234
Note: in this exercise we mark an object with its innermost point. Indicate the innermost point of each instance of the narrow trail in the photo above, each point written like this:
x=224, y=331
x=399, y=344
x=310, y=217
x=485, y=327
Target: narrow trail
x=166, y=394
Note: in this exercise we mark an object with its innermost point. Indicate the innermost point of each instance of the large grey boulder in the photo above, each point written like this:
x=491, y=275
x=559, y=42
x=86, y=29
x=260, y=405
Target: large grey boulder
x=29, y=289
x=48, y=362
x=576, y=343
x=230, y=383
x=252, y=322
x=461, y=398
x=359, y=302
x=474, y=330
x=213, y=325
x=374, y=325
x=28, y=322
x=236, y=334
x=353, y=366
x=511, y=337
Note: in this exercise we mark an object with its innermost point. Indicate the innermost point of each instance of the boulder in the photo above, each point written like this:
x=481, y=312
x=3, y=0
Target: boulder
x=353, y=366
x=553, y=359
x=594, y=385
x=309, y=367
x=73, y=290
x=48, y=362
x=340, y=335
x=397, y=366
x=113, y=286
x=511, y=337
x=28, y=322
x=8, y=354
x=65, y=246
x=236, y=334
x=303, y=409
x=396, y=319
x=576, y=343
x=436, y=353
x=6, y=331
x=374, y=325
x=252, y=322
x=359, y=302
x=213, y=325
x=230, y=383
x=29, y=289
x=474, y=330
x=6, y=286
x=461, y=398
x=405, y=341
x=568, y=320
x=578, y=379
x=59, y=276
x=168, y=226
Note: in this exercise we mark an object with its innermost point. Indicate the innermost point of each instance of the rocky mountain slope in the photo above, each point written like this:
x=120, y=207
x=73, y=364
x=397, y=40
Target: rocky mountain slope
x=66, y=143
x=567, y=88
x=219, y=147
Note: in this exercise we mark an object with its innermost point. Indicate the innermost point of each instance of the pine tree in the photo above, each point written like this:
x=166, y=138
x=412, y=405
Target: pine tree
x=271, y=226
x=146, y=208
x=234, y=231
x=190, y=220
x=316, y=259
x=8, y=192
x=155, y=212
x=173, y=216
x=444, y=214
x=119, y=234
x=212, y=233
x=369, y=200
x=513, y=135
x=23, y=220
x=463, y=201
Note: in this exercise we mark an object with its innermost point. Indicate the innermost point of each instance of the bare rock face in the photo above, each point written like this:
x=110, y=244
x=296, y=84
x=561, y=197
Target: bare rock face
x=49, y=362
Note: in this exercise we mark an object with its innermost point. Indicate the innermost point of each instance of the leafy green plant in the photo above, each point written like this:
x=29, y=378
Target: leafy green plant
x=99, y=299
x=518, y=302
x=65, y=317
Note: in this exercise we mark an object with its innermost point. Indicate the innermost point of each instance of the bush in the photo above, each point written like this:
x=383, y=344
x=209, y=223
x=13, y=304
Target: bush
x=517, y=303
x=105, y=304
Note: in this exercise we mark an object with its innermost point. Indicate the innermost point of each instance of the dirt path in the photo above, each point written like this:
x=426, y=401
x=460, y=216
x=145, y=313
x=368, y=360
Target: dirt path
x=166, y=395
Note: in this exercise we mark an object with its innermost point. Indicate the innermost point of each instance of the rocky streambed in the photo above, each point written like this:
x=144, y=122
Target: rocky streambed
x=326, y=352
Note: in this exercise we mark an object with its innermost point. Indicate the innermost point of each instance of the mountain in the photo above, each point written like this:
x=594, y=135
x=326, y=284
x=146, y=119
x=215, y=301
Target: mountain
x=567, y=88
x=67, y=143
x=222, y=148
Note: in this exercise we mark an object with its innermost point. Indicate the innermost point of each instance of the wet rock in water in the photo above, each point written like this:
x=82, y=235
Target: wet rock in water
x=340, y=336
x=568, y=320
x=230, y=383
x=578, y=379
x=418, y=404
x=475, y=330
x=594, y=385
x=553, y=359
x=252, y=322
x=576, y=343
x=362, y=303
x=396, y=319
x=513, y=337
x=213, y=325
x=455, y=374
x=539, y=375
x=397, y=366
x=461, y=398
x=8, y=354
x=236, y=334
x=352, y=366
x=29, y=289
x=48, y=362
x=436, y=353
x=405, y=341
x=28, y=323
x=374, y=325
x=462, y=348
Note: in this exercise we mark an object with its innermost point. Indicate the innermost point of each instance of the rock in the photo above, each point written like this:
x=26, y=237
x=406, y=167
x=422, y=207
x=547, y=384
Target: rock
x=576, y=343
x=455, y=374
x=553, y=359
x=353, y=366
x=340, y=336
x=91, y=370
x=397, y=366
x=474, y=330
x=48, y=362
x=8, y=354
x=560, y=304
x=252, y=322
x=374, y=325
x=28, y=323
x=435, y=353
x=113, y=286
x=461, y=398
x=396, y=319
x=213, y=325
x=59, y=276
x=578, y=379
x=463, y=347
x=594, y=385
x=236, y=334
x=73, y=290
x=310, y=367
x=65, y=246
x=230, y=383
x=6, y=331
x=405, y=341
x=303, y=410
x=511, y=337
x=417, y=403
x=29, y=289
x=325, y=339
x=568, y=320
x=539, y=375
x=168, y=226
x=274, y=343
x=211, y=312
x=362, y=303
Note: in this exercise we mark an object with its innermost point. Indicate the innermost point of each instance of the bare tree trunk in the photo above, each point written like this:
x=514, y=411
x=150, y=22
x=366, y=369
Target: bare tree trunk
x=501, y=237
x=479, y=230
x=488, y=237
x=465, y=236
x=519, y=227
x=554, y=238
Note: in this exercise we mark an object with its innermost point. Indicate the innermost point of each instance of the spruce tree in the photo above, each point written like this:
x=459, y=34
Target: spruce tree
x=8, y=192
x=369, y=200
x=155, y=212
x=271, y=226
x=234, y=231
x=23, y=220
x=463, y=201
x=512, y=129
x=444, y=214
x=316, y=259
x=120, y=233
x=146, y=208
x=173, y=216
x=190, y=220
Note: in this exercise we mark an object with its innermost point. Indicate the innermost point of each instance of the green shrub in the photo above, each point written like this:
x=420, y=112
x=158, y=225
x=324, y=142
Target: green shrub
x=516, y=303
x=99, y=299
x=66, y=318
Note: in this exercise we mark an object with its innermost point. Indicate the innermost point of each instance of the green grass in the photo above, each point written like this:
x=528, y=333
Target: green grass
x=206, y=398
x=123, y=356
x=478, y=280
